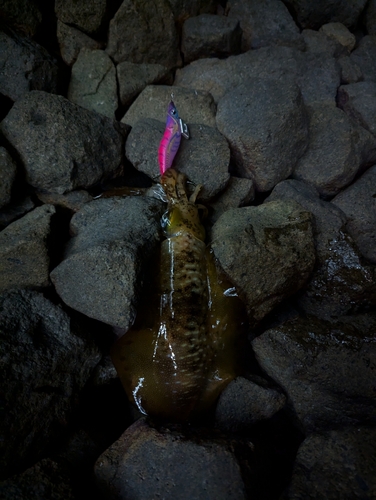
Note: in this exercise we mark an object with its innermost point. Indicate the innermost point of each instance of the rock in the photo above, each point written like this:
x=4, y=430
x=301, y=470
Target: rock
x=15, y=210
x=265, y=124
x=210, y=35
x=193, y=106
x=340, y=283
x=365, y=57
x=370, y=17
x=143, y=31
x=46, y=361
x=245, y=402
x=238, y=192
x=93, y=82
x=337, y=150
x=358, y=101
x=194, y=158
x=264, y=23
x=183, y=9
x=145, y=463
x=339, y=33
x=24, y=252
x=317, y=42
x=8, y=170
x=350, y=71
x=326, y=369
x=42, y=481
x=23, y=15
x=74, y=200
x=25, y=66
x=335, y=464
x=71, y=41
x=62, y=146
x=266, y=251
x=101, y=274
x=358, y=202
x=218, y=76
x=133, y=78
x=313, y=15
x=78, y=13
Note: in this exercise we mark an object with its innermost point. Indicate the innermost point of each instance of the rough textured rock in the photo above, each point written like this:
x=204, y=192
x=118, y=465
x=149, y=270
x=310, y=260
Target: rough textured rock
x=350, y=71
x=22, y=15
x=25, y=66
x=42, y=481
x=71, y=41
x=88, y=17
x=370, y=17
x=193, y=106
x=245, y=402
x=339, y=33
x=209, y=35
x=15, y=210
x=268, y=133
x=365, y=57
x=24, y=252
x=74, y=200
x=340, y=283
x=194, y=158
x=358, y=101
x=267, y=252
x=183, y=9
x=145, y=463
x=8, y=170
x=238, y=192
x=264, y=23
x=317, y=42
x=102, y=272
x=358, y=202
x=133, y=78
x=61, y=145
x=315, y=14
x=143, y=31
x=336, y=464
x=93, y=82
x=337, y=149
x=45, y=362
x=326, y=369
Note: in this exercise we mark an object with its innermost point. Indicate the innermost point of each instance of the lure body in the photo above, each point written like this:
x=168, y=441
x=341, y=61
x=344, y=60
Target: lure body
x=170, y=142
x=178, y=359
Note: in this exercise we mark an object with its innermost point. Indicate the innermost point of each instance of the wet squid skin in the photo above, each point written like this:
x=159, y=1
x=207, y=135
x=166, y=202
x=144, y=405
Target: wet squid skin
x=176, y=360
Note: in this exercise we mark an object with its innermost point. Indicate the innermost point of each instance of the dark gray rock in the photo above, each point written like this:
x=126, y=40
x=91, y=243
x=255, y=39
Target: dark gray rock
x=93, y=82
x=24, y=258
x=194, y=158
x=370, y=17
x=358, y=101
x=183, y=9
x=45, y=362
x=71, y=41
x=25, y=66
x=143, y=31
x=22, y=15
x=340, y=283
x=8, y=170
x=133, y=78
x=335, y=464
x=238, y=192
x=101, y=275
x=15, y=210
x=358, y=202
x=88, y=17
x=365, y=57
x=350, y=71
x=264, y=23
x=74, y=200
x=339, y=33
x=327, y=369
x=209, y=35
x=193, y=106
x=145, y=464
x=62, y=146
x=337, y=150
x=315, y=14
x=43, y=481
x=266, y=251
x=317, y=42
x=266, y=126
x=245, y=402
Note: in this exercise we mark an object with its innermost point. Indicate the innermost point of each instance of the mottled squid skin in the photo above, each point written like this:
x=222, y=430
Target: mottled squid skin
x=177, y=360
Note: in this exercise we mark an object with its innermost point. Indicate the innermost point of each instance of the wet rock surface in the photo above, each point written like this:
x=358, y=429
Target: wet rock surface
x=283, y=145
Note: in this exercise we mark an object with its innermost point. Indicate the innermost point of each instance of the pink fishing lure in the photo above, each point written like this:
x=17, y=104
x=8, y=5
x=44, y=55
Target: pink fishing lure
x=170, y=142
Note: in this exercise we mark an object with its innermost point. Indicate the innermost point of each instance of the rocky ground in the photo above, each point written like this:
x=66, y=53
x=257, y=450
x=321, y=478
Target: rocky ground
x=280, y=99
